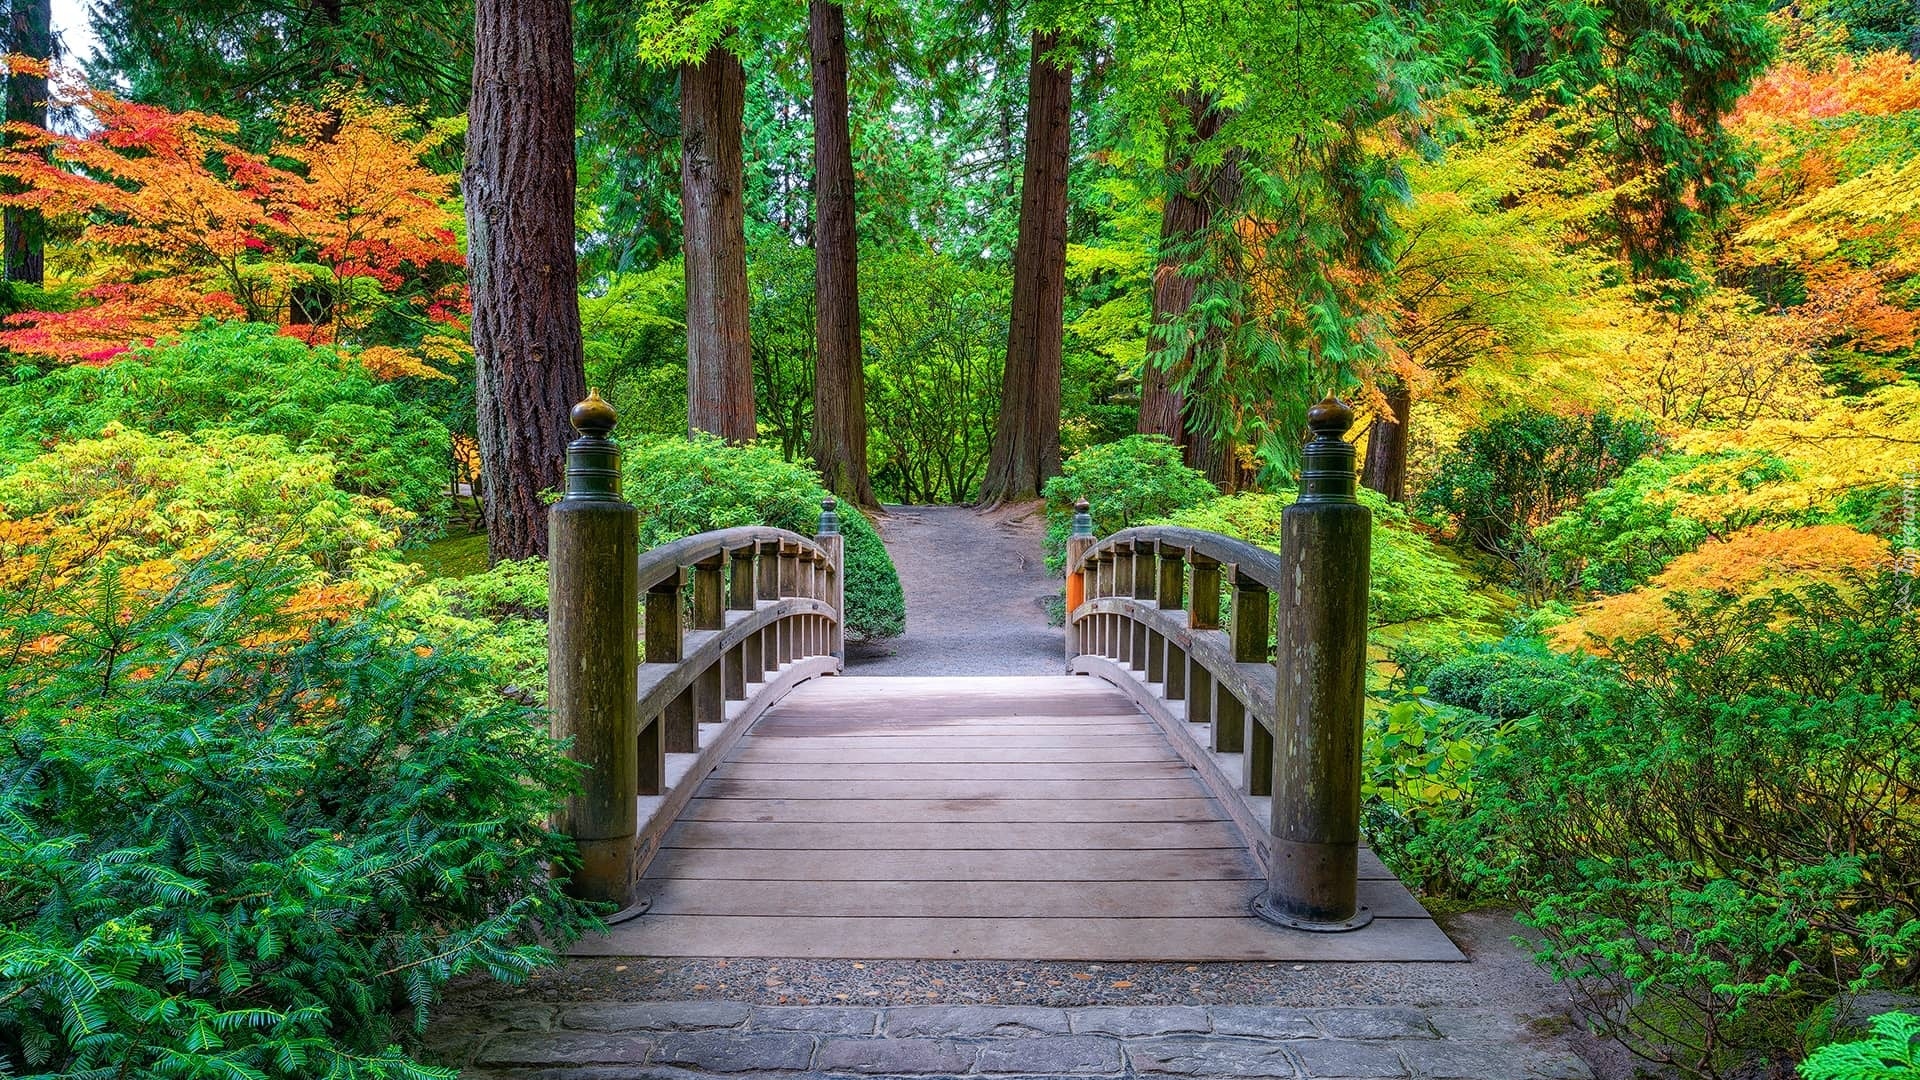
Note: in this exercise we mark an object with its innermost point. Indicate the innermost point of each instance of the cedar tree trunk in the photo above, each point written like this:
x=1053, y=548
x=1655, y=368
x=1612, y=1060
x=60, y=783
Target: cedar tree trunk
x=712, y=190
x=519, y=184
x=1183, y=218
x=839, y=378
x=1026, y=445
x=1386, y=466
x=30, y=34
x=1161, y=406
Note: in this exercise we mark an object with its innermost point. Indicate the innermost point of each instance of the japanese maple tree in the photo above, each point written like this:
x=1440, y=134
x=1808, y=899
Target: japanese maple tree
x=339, y=234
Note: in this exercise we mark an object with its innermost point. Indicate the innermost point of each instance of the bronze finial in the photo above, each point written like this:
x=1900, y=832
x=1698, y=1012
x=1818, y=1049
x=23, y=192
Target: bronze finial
x=593, y=461
x=1327, y=463
x=1330, y=417
x=594, y=417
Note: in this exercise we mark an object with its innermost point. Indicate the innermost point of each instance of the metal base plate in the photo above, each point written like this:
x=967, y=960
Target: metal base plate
x=1266, y=912
x=631, y=911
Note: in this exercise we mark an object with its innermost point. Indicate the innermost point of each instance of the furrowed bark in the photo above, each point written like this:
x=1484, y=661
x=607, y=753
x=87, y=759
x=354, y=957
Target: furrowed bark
x=1026, y=446
x=31, y=34
x=712, y=189
x=519, y=185
x=839, y=379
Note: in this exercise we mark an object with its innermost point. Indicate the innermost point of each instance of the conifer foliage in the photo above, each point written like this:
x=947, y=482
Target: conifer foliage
x=239, y=838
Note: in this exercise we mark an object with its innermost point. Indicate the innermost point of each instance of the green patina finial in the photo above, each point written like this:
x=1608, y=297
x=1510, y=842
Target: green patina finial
x=593, y=459
x=829, y=520
x=1327, y=463
x=1082, y=520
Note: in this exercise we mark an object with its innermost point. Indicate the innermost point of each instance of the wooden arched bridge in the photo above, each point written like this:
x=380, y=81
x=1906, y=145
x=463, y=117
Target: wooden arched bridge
x=1182, y=791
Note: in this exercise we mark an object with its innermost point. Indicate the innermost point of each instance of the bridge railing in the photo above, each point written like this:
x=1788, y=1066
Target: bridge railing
x=658, y=661
x=1274, y=719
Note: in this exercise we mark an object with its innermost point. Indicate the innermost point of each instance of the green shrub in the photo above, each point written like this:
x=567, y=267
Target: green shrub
x=687, y=486
x=1712, y=835
x=1415, y=586
x=1127, y=483
x=502, y=613
x=1502, y=481
x=1891, y=1051
x=241, y=841
x=934, y=333
x=1628, y=531
x=240, y=378
x=1420, y=765
x=137, y=498
x=1505, y=680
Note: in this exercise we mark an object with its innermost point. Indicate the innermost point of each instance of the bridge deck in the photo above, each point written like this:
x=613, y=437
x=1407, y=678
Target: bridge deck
x=974, y=818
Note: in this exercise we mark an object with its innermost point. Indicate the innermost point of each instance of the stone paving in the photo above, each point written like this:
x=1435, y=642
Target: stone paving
x=691, y=1039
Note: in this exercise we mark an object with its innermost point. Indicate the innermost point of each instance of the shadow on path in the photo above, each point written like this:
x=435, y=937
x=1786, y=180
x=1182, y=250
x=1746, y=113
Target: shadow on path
x=976, y=587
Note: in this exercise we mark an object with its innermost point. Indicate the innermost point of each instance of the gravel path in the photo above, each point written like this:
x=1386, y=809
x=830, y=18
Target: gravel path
x=976, y=588
x=1497, y=1017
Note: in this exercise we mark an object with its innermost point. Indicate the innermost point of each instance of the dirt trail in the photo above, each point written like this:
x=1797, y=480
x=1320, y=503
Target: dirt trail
x=976, y=588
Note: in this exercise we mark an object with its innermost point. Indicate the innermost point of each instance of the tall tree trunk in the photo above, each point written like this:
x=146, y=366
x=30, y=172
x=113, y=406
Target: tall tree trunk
x=1026, y=445
x=1213, y=455
x=30, y=34
x=839, y=377
x=712, y=190
x=1184, y=216
x=1386, y=466
x=518, y=185
x=1161, y=406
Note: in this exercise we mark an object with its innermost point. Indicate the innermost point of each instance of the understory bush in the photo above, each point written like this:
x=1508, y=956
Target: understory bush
x=1712, y=831
x=1415, y=587
x=240, y=837
x=1624, y=533
x=685, y=486
x=1520, y=470
x=244, y=379
x=1126, y=483
x=145, y=501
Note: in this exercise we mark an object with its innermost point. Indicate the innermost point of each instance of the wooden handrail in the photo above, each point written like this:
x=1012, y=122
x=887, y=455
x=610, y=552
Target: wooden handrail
x=1144, y=613
x=650, y=714
x=690, y=551
x=1257, y=563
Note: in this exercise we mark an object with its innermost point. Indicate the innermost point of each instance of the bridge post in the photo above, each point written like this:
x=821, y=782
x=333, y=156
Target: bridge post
x=1326, y=537
x=1077, y=546
x=830, y=539
x=593, y=653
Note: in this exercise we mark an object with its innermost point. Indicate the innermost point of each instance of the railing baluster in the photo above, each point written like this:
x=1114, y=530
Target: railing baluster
x=1252, y=619
x=1171, y=597
x=1259, y=759
x=753, y=667
x=651, y=757
x=682, y=732
x=1203, y=606
x=768, y=586
x=672, y=731
x=741, y=578
x=593, y=646
x=1203, y=613
x=665, y=642
x=709, y=613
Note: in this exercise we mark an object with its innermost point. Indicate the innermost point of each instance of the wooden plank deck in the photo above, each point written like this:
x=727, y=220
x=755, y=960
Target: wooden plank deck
x=976, y=818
